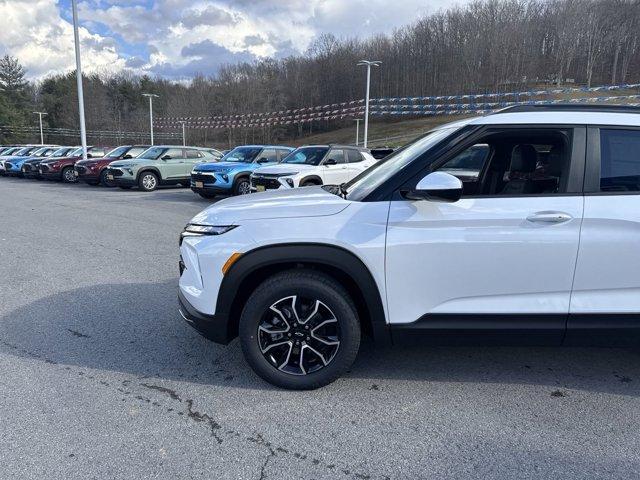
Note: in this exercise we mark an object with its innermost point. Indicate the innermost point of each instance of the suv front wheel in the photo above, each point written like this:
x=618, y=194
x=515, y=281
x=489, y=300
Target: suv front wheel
x=299, y=330
x=148, y=181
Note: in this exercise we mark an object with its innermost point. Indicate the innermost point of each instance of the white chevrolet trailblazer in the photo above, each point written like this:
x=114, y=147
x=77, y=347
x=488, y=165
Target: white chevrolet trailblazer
x=313, y=165
x=519, y=227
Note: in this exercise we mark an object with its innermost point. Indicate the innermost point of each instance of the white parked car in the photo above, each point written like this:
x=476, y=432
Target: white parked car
x=313, y=165
x=537, y=244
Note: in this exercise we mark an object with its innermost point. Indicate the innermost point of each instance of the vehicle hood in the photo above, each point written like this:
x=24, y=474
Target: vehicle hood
x=285, y=168
x=129, y=162
x=290, y=203
x=224, y=166
x=59, y=159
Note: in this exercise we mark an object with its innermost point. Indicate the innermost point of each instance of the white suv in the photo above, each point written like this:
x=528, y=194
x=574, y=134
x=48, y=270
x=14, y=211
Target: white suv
x=536, y=243
x=313, y=165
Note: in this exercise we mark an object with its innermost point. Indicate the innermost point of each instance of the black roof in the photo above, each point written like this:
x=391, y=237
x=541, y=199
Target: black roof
x=571, y=107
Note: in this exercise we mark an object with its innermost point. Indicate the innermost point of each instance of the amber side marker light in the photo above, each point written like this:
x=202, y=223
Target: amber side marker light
x=228, y=264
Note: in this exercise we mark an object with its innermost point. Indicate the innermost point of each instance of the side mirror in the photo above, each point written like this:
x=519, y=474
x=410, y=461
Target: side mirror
x=437, y=187
x=127, y=157
x=263, y=160
x=330, y=161
x=89, y=155
x=166, y=157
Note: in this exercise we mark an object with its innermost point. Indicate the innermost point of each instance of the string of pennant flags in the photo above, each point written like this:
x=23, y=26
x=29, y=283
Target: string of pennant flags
x=357, y=106
x=412, y=110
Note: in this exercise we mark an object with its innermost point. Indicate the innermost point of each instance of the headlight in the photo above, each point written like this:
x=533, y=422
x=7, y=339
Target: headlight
x=208, y=229
x=194, y=230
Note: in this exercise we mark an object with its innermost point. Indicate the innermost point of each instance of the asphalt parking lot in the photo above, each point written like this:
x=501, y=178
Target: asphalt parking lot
x=99, y=378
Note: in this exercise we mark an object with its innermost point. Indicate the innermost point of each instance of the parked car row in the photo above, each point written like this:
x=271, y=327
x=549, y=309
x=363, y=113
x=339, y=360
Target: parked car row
x=207, y=171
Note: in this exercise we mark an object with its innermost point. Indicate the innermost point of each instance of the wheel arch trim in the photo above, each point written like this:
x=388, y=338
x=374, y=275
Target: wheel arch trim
x=318, y=254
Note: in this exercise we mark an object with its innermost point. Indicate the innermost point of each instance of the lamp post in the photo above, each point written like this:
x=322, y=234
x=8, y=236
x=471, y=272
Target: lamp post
x=184, y=133
x=151, y=96
x=368, y=64
x=40, y=114
x=357, y=120
x=76, y=37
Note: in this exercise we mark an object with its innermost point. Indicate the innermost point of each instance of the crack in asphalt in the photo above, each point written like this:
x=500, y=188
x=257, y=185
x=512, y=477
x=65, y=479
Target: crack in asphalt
x=216, y=428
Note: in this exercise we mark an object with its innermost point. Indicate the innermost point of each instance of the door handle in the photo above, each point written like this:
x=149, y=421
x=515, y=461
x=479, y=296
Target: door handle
x=549, y=217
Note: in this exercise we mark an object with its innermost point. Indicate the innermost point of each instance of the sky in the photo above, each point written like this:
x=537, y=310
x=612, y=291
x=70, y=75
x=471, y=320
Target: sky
x=177, y=39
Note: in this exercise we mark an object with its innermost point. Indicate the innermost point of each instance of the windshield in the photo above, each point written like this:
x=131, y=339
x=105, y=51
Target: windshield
x=117, y=152
x=41, y=152
x=373, y=177
x=306, y=155
x=76, y=153
x=242, y=154
x=152, y=153
x=22, y=152
x=10, y=151
x=61, y=152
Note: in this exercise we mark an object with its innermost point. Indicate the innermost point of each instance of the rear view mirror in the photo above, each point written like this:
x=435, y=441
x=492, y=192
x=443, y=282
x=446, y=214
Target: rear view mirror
x=437, y=187
x=330, y=161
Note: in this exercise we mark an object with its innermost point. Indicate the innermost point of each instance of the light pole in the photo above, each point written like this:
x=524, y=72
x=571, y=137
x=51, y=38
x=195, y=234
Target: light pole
x=184, y=134
x=368, y=64
x=151, y=97
x=357, y=120
x=40, y=114
x=76, y=37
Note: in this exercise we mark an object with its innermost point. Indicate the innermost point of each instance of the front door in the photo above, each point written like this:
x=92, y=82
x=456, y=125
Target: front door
x=173, y=164
x=501, y=260
x=334, y=173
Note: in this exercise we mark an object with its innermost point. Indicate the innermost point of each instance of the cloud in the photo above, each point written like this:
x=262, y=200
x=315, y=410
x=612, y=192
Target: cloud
x=43, y=40
x=210, y=16
x=180, y=37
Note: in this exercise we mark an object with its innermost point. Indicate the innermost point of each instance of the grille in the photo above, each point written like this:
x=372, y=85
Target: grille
x=8, y=165
x=114, y=172
x=27, y=167
x=196, y=177
x=266, y=182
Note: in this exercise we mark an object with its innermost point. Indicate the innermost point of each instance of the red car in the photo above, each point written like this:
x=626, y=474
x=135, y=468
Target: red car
x=94, y=170
x=61, y=168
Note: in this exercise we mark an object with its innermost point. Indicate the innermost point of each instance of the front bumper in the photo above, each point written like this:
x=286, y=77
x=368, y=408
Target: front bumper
x=212, y=327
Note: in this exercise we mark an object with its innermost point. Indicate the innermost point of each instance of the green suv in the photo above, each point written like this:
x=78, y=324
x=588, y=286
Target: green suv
x=160, y=165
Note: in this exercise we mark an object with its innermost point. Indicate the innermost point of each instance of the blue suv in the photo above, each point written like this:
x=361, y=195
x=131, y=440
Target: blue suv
x=230, y=175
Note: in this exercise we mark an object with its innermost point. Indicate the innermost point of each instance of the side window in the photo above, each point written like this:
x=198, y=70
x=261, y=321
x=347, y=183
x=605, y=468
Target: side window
x=98, y=152
x=193, y=154
x=269, y=154
x=619, y=160
x=353, y=156
x=283, y=153
x=468, y=165
x=335, y=154
x=173, y=154
x=514, y=163
x=135, y=151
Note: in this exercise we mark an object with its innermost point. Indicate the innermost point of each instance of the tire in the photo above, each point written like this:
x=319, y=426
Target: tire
x=279, y=357
x=148, y=181
x=309, y=183
x=242, y=186
x=208, y=196
x=104, y=181
x=68, y=176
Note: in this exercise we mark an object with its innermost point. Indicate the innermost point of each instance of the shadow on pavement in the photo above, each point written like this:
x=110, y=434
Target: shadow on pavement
x=136, y=329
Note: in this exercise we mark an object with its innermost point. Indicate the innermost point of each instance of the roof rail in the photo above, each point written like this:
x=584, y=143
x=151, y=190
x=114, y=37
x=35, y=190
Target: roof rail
x=570, y=107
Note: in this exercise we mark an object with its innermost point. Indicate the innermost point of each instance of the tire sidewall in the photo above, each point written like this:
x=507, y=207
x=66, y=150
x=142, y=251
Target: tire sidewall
x=335, y=299
x=63, y=174
x=140, y=181
x=236, y=186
